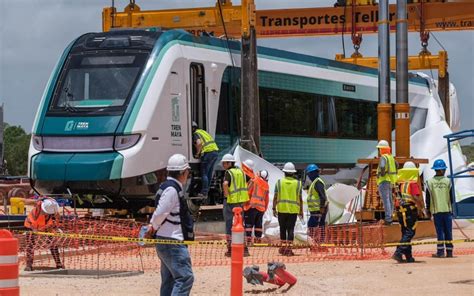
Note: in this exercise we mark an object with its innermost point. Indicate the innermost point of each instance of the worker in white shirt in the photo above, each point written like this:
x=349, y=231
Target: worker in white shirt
x=173, y=221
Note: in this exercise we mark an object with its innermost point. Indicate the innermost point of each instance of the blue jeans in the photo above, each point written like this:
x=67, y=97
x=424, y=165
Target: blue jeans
x=176, y=273
x=444, y=231
x=229, y=216
x=385, y=192
x=208, y=160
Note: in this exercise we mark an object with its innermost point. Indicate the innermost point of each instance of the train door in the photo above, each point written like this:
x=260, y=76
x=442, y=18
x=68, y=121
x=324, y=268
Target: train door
x=198, y=101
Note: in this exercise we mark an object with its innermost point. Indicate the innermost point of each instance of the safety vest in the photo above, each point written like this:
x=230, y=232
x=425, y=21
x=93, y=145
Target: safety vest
x=439, y=188
x=258, y=192
x=391, y=170
x=405, y=177
x=314, y=200
x=36, y=220
x=208, y=143
x=248, y=171
x=238, y=187
x=289, y=190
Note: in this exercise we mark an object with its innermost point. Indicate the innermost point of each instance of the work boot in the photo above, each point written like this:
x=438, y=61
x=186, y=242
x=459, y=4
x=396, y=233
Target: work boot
x=410, y=259
x=398, y=257
x=60, y=266
x=289, y=252
x=228, y=253
x=28, y=268
x=437, y=255
x=246, y=252
x=281, y=251
x=449, y=254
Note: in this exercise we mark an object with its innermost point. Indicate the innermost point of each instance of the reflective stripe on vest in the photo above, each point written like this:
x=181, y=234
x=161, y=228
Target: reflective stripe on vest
x=37, y=220
x=439, y=188
x=259, y=189
x=238, y=187
x=391, y=170
x=314, y=200
x=208, y=143
x=289, y=190
x=405, y=190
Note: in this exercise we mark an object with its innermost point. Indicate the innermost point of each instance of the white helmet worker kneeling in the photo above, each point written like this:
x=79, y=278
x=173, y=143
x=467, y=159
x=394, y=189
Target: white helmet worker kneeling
x=172, y=221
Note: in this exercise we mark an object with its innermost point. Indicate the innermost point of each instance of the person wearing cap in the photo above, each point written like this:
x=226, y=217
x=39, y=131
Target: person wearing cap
x=235, y=195
x=206, y=149
x=287, y=205
x=173, y=221
x=257, y=205
x=317, y=204
x=386, y=178
x=43, y=218
x=407, y=204
x=439, y=197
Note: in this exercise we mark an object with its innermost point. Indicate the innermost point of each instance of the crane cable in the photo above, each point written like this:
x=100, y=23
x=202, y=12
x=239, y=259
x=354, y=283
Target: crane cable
x=225, y=33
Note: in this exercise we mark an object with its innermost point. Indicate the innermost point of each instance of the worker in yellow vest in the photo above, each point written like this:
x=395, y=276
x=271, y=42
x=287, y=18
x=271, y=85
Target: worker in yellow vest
x=439, y=197
x=317, y=204
x=287, y=205
x=407, y=204
x=235, y=193
x=386, y=178
x=205, y=149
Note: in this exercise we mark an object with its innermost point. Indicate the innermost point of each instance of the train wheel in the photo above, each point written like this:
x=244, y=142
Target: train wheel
x=194, y=206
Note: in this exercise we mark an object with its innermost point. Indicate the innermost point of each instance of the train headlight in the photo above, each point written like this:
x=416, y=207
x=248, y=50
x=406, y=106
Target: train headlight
x=37, y=142
x=125, y=142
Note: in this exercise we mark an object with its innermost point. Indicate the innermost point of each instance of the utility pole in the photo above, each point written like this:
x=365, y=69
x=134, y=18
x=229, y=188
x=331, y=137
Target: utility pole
x=250, y=106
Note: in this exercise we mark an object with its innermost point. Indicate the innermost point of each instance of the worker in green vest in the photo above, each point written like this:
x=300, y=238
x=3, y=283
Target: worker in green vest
x=287, y=205
x=407, y=204
x=235, y=193
x=205, y=149
x=439, y=197
x=386, y=178
x=317, y=204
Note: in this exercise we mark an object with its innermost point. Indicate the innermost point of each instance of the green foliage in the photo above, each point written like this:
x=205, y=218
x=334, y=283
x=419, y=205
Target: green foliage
x=469, y=152
x=16, y=142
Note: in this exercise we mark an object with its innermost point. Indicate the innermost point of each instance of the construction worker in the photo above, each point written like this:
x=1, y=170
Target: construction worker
x=206, y=149
x=408, y=202
x=287, y=205
x=235, y=193
x=43, y=218
x=257, y=205
x=439, y=197
x=173, y=221
x=248, y=167
x=317, y=204
x=386, y=178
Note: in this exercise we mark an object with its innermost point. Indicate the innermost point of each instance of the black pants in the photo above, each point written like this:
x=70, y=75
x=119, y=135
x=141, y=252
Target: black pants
x=31, y=241
x=287, y=226
x=253, y=221
x=407, y=217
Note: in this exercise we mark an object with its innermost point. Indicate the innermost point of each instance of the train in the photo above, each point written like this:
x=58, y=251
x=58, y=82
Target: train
x=118, y=104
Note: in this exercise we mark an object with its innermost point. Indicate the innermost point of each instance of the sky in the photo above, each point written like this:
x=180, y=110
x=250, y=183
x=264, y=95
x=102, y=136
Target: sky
x=34, y=33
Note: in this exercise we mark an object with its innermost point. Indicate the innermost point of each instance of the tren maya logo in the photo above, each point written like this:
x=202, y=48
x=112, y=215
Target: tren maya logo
x=72, y=125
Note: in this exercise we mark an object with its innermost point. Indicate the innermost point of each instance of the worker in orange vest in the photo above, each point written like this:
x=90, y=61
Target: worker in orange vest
x=43, y=218
x=257, y=205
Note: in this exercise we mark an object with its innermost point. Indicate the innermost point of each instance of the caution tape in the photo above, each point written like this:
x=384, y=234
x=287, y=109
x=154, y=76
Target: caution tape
x=147, y=241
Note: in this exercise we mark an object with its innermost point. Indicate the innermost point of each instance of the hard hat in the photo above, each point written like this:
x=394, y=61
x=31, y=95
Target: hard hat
x=228, y=158
x=382, y=144
x=311, y=168
x=409, y=165
x=264, y=174
x=289, y=167
x=194, y=124
x=249, y=163
x=177, y=162
x=439, y=164
x=49, y=206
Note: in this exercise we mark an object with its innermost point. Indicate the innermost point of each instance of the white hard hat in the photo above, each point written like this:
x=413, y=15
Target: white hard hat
x=49, y=206
x=249, y=163
x=264, y=175
x=194, y=124
x=382, y=144
x=409, y=165
x=177, y=162
x=228, y=158
x=289, y=167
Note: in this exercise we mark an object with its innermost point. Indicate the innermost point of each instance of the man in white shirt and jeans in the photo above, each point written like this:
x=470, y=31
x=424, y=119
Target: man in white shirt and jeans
x=172, y=221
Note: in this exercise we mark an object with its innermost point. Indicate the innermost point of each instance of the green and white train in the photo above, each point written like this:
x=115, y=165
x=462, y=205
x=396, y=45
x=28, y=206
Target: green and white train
x=119, y=104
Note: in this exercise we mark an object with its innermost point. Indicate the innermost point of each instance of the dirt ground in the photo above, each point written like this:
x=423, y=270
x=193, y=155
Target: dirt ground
x=444, y=276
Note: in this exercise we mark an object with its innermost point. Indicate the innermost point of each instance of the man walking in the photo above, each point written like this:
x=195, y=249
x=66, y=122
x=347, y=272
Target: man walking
x=386, y=178
x=206, y=149
x=172, y=221
x=439, y=197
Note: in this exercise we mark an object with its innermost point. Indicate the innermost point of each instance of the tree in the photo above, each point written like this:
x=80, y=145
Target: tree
x=16, y=143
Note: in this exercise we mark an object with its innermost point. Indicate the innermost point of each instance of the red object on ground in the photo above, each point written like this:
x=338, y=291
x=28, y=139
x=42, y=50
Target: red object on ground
x=275, y=280
x=285, y=275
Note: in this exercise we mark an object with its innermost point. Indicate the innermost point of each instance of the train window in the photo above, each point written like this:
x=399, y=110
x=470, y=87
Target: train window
x=198, y=95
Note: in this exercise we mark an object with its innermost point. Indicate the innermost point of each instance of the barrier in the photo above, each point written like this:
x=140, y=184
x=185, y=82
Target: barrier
x=9, y=285
x=237, y=265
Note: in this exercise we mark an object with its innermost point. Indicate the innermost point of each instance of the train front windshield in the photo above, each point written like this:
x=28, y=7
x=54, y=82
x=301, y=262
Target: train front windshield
x=97, y=81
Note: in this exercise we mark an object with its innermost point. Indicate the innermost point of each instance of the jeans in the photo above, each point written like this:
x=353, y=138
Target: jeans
x=316, y=226
x=229, y=216
x=208, y=160
x=385, y=192
x=444, y=231
x=176, y=273
x=407, y=217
